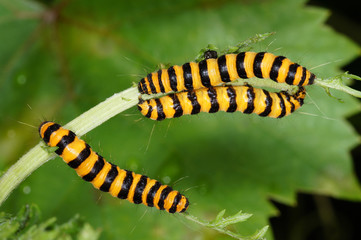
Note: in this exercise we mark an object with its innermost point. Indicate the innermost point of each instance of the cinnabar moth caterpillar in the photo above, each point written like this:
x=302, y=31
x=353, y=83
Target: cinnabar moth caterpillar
x=214, y=71
x=225, y=98
x=108, y=177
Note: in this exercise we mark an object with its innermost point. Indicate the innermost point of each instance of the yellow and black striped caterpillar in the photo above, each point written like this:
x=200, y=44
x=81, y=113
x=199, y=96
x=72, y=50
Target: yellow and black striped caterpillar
x=224, y=98
x=108, y=177
x=212, y=71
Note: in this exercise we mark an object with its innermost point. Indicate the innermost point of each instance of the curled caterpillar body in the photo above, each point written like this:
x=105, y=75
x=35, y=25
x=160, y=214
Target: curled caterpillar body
x=108, y=177
x=214, y=71
x=226, y=98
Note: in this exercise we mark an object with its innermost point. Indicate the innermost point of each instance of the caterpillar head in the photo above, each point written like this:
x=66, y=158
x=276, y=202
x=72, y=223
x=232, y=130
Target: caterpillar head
x=301, y=93
x=143, y=106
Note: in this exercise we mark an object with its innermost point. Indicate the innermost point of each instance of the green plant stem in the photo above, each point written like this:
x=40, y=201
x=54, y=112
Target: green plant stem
x=205, y=224
x=338, y=85
x=112, y=106
x=260, y=82
x=37, y=156
x=33, y=159
x=258, y=235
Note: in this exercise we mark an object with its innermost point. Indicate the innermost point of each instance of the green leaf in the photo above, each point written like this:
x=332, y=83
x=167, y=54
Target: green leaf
x=26, y=225
x=223, y=222
x=220, y=215
x=64, y=57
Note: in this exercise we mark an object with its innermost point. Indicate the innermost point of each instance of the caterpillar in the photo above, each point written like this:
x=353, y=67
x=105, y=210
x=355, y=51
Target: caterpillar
x=224, y=98
x=213, y=71
x=108, y=177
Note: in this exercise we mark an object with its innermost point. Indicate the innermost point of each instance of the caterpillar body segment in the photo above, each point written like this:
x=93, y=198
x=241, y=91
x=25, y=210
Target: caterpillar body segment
x=214, y=71
x=108, y=177
x=245, y=99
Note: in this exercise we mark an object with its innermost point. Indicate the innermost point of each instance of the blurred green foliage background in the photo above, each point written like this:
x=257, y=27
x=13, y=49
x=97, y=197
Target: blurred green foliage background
x=60, y=58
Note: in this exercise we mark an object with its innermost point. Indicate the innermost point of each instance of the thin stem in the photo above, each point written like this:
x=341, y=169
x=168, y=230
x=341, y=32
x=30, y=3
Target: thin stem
x=37, y=156
x=336, y=84
x=112, y=106
x=206, y=224
x=258, y=235
x=33, y=159
x=246, y=45
x=260, y=82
